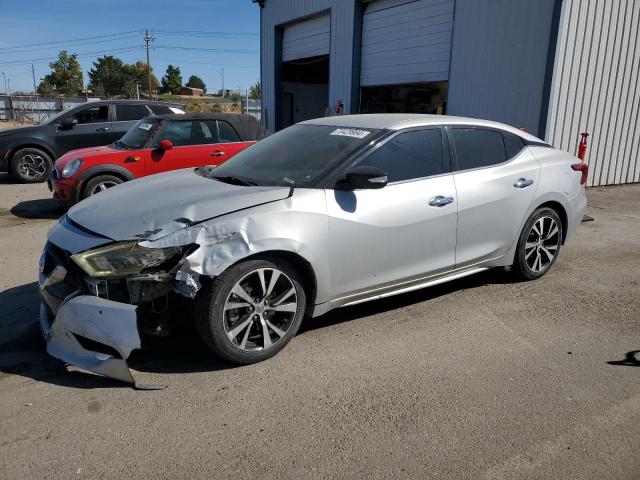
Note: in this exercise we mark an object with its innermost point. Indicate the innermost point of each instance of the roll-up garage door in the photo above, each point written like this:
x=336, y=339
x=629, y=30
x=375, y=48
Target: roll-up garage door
x=309, y=38
x=406, y=41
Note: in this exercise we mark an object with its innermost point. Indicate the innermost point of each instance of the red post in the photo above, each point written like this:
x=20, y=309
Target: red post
x=582, y=147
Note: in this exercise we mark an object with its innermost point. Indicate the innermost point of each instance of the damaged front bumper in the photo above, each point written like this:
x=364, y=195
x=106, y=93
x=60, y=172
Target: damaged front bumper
x=92, y=333
x=83, y=324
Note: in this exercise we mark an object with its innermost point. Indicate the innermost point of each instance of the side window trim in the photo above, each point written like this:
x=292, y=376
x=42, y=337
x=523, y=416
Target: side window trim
x=232, y=128
x=446, y=166
x=454, y=154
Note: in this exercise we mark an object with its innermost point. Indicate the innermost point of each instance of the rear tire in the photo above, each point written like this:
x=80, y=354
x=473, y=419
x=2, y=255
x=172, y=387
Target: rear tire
x=259, y=322
x=539, y=244
x=31, y=165
x=100, y=183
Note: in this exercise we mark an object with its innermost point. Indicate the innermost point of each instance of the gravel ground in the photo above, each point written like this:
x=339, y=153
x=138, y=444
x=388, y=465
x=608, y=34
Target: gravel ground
x=479, y=378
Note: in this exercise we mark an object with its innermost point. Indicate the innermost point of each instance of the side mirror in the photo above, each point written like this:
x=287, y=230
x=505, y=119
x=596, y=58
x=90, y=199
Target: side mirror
x=69, y=123
x=366, y=178
x=165, y=145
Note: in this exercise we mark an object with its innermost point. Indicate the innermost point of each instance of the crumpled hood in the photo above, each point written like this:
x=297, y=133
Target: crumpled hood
x=158, y=205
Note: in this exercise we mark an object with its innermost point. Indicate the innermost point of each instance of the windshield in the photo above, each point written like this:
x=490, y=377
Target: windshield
x=139, y=134
x=298, y=155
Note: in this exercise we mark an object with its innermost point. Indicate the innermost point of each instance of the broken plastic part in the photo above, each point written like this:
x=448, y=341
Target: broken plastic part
x=103, y=322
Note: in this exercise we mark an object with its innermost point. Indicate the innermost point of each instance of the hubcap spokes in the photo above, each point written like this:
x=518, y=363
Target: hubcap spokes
x=542, y=244
x=32, y=166
x=101, y=187
x=260, y=309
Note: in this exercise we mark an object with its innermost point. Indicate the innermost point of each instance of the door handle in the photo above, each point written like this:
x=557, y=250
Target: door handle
x=218, y=153
x=523, y=182
x=102, y=129
x=440, y=201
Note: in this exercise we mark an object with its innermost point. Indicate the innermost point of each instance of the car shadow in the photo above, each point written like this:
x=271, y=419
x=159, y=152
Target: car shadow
x=631, y=359
x=40, y=209
x=23, y=351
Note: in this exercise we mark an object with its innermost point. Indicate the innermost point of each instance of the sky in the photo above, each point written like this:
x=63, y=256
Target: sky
x=200, y=36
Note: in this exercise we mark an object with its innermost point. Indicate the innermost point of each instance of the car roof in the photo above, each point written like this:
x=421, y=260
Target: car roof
x=398, y=121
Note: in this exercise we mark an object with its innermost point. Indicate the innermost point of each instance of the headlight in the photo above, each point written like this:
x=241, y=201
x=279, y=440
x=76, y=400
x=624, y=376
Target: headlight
x=71, y=168
x=121, y=259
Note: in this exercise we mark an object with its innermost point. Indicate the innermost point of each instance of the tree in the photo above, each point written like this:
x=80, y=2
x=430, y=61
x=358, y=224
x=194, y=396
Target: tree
x=136, y=73
x=196, y=82
x=172, y=79
x=65, y=77
x=255, y=91
x=111, y=77
x=108, y=76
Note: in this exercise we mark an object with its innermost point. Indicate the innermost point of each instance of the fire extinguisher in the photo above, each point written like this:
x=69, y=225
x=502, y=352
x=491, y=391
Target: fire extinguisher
x=582, y=147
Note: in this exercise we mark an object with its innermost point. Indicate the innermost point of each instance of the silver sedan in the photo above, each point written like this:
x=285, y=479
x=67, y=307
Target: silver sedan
x=326, y=213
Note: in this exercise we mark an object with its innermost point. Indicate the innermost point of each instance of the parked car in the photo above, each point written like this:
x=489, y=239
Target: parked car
x=327, y=213
x=28, y=153
x=154, y=145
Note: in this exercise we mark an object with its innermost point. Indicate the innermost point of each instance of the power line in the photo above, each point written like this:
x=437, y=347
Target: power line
x=207, y=63
x=218, y=50
x=76, y=45
x=94, y=37
x=79, y=55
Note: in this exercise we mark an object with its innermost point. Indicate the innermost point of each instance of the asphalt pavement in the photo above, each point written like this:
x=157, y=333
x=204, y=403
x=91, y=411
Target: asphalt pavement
x=479, y=378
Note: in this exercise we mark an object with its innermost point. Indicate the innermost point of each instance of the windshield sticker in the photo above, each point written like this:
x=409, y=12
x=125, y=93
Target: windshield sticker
x=145, y=126
x=288, y=180
x=350, y=132
x=176, y=110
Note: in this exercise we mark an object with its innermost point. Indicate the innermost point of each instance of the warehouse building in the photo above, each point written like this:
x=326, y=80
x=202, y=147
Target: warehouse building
x=553, y=67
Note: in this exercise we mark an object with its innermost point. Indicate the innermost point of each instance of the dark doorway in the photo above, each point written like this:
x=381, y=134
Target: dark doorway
x=304, y=90
x=412, y=98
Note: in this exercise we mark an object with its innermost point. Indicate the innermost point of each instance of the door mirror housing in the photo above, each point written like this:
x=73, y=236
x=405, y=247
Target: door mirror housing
x=165, y=145
x=69, y=123
x=366, y=178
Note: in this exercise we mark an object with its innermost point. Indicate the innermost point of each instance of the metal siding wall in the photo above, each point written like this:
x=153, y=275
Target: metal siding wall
x=275, y=14
x=406, y=41
x=499, y=59
x=595, y=87
x=308, y=38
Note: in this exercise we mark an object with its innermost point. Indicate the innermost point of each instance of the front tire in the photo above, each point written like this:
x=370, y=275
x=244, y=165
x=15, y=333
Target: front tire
x=251, y=311
x=99, y=184
x=31, y=165
x=539, y=244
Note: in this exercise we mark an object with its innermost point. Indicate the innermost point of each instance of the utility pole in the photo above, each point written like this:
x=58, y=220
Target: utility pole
x=4, y=75
x=33, y=74
x=147, y=39
x=138, y=91
x=222, y=75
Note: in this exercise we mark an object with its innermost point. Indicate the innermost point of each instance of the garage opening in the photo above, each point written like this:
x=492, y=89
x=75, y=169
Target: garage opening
x=413, y=98
x=304, y=73
x=406, y=48
x=304, y=89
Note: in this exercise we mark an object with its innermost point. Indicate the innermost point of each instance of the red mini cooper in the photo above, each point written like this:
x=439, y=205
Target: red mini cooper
x=153, y=145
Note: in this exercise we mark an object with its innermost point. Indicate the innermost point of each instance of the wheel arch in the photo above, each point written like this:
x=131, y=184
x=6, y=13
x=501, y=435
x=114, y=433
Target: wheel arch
x=562, y=213
x=303, y=266
x=11, y=151
x=89, y=174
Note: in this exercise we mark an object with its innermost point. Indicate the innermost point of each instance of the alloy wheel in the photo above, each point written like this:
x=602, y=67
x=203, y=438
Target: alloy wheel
x=542, y=244
x=32, y=166
x=102, y=186
x=260, y=309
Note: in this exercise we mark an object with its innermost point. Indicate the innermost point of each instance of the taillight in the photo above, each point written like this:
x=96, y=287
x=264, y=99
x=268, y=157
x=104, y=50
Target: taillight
x=584, y=168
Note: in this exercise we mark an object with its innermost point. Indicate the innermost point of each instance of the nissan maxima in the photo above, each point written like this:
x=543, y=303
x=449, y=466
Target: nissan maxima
x=326, y=213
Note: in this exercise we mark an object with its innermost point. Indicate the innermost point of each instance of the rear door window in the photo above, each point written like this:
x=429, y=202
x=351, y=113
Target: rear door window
x=409, y=155
x=227, y=133
x=126, y=113
x=512, y=144
x=96, y=114
x=477, y=147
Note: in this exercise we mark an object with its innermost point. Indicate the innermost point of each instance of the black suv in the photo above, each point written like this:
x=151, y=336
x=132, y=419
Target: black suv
x=29, y=152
